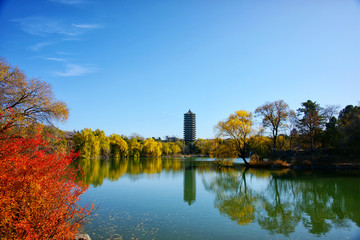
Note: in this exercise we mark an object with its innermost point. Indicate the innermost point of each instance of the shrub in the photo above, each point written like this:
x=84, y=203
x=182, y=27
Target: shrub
x=280, y=163
x=38, y=191
x=254, y=158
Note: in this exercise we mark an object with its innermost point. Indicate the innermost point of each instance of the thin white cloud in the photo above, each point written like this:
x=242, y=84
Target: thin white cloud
x=55, y=59
x=87, y=26
x=45, y=27
x=62, y=53
x=39, y=46
x=73, y=70
x=42, y=26
x=70, y=2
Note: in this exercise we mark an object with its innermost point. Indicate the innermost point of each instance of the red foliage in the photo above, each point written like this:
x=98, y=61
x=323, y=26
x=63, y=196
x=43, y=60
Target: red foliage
x=38, y=191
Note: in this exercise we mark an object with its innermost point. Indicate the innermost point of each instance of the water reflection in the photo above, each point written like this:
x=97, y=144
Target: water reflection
x=320, y=203
x=232, y=196
x=190, y=182
x=286, y=200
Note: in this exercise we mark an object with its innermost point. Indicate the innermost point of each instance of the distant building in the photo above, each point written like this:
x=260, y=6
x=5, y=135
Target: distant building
x=189, y=127
x=171, y=139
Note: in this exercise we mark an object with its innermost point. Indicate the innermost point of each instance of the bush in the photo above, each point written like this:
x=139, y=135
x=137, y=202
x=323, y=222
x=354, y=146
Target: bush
x=38, y=191
x=254, y=158
x=280, y=163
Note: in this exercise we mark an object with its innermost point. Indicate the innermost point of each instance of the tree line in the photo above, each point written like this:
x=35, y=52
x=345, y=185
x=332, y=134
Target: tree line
x=311, y=128
x=94, y=144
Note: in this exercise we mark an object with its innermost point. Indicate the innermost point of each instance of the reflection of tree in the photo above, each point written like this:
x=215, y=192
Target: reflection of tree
x=328, y=202
x=319, y=203
x=316, y=204
x=324, y=203
x=232, y=197
x=281, y=217
x=96, y=170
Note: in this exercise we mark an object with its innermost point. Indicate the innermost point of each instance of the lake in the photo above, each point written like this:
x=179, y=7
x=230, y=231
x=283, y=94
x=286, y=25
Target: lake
x=169, y=198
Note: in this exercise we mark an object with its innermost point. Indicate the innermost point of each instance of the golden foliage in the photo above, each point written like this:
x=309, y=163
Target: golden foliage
x=238, y=127
x=151, y=148
x=119, y=147
x=24, y=101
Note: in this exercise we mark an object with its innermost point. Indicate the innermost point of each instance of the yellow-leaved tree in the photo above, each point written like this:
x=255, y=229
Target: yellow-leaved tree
x=239, y=128
x=24, y=101
x=151, y=148
x=118, y=146
x=134, y=147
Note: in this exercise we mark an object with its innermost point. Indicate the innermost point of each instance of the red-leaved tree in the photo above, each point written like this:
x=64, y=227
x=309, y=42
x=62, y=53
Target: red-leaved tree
x=39, y=193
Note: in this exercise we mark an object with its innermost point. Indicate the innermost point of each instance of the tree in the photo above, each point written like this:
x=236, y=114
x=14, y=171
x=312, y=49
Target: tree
x=202, y=146
x=134, y=148
x=311, y=122
x=331, y=134
x=170, y=148
x=175, y=149
x=274, y=116
x=261, y=145
x=38, y=191
x=151, y=148
x=220, y=148
x=292, y=124
x=238, y=127
x=118, y=146
x=87, y=143
x=166, y=151
x=24, y=101
x=329, y=111
x=103, y=141
x=349, y=127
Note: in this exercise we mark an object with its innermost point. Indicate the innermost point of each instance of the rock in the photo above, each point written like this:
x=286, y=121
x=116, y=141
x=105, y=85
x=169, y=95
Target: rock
x=82, y=236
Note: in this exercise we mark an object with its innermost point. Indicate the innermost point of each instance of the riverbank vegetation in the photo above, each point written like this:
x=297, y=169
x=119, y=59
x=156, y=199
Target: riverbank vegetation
x=39, y=192
x=312, y=135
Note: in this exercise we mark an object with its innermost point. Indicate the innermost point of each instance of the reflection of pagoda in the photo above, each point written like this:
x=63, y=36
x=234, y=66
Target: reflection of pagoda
x=189, y=184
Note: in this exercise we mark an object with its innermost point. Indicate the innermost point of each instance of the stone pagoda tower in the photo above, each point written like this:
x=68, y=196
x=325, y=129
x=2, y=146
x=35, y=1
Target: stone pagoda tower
x=189, y=127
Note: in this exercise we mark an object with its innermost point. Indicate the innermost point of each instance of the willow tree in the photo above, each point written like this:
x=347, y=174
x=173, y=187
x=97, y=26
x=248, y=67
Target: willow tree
x=151, y=148
x=118, y=146
x=238, y=127
x=274, y=115
x=24, y=101
x=87, y=143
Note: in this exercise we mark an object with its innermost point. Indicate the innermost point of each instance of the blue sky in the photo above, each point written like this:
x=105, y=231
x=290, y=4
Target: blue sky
x=132, y=66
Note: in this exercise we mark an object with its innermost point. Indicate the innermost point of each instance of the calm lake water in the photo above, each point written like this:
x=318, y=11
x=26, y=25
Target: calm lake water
x=193, y=199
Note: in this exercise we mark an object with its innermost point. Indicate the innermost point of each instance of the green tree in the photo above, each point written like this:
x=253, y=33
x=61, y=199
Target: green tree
x=274, y=116
x=238, y=127
x=349, y=128
x=331, y=134
x=311, y=121
x=87, y=143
